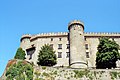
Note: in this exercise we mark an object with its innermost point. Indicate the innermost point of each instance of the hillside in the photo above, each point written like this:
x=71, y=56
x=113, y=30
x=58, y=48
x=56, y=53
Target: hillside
x=21, y=70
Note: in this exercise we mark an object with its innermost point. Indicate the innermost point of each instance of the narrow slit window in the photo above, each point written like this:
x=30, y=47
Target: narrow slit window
x=86, y=46
x=68, y=46
x=67, y=54
x=87, y=55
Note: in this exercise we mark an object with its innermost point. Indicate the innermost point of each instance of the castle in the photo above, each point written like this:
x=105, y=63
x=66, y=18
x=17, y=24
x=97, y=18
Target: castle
x=75, y=48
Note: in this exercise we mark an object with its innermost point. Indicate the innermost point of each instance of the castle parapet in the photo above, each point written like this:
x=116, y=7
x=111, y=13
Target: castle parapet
x=101, y=34
x=52, y=34
x=25, y=36
x=74, y=22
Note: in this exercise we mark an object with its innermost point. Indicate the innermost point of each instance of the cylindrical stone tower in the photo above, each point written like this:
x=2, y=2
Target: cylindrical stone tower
x=77, y=44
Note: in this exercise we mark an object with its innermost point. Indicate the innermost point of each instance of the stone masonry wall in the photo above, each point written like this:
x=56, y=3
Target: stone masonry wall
x=49, y=73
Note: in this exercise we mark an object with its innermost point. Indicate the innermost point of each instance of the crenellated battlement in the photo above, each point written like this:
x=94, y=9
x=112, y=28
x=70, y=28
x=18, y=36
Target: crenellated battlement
x=26, y=35
x=101, y=34
x=52, y=34
x=75, y=22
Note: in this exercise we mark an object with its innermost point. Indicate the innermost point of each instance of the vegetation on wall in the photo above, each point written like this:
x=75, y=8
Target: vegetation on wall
x=107, y=54
x=47, y=56
x=20, y=54
x=20, y=71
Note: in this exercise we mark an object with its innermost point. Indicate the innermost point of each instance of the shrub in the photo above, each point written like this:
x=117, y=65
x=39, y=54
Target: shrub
x=19, y=70
x=107, y=54
x=47, y=56
x=20, y=54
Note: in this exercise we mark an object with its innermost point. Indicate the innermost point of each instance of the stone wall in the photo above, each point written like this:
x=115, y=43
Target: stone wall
x=38, y=40
x=50, y=73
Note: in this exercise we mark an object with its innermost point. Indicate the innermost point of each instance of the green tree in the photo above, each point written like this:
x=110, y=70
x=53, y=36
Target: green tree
x=107, y=54
x=47, y=56
x=20, y=54
x=20, y=71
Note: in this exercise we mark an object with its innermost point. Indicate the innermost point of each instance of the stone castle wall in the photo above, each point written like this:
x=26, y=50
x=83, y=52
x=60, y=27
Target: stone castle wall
x=61, y=42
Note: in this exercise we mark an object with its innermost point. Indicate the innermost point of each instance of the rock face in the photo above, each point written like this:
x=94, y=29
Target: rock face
x=67, y=73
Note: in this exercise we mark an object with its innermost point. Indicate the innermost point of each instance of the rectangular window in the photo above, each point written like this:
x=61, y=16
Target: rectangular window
x=67, y=54
x=87, y=55
x=59, y=46
x=85, y=39
x=86, y=46
x=59, y=54
x=68, y=46
x=60, y=39
x=51, y=39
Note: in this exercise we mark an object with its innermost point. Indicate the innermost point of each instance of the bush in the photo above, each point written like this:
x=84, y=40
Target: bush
x=47, y=56
x=107, y=54
x=20, y=54
x=19, y=70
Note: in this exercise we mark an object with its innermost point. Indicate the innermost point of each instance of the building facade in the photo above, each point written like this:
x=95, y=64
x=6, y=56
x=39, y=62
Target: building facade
x=75, y=48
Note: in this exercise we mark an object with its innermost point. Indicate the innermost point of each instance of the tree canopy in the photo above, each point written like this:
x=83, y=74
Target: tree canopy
x=107, y=54
x=20, y=54
x=21, y=70
x=47, y=56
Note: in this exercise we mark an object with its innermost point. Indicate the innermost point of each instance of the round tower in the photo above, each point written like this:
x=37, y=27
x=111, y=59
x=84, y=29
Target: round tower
x=25, y=41
x=77, y=44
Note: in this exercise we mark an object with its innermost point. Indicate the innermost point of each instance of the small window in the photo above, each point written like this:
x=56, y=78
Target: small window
x=59, y=54
x=59, y=46
x=51, y=45
x=86, y=46
x=85, y=39
x=87, y=55
x=51, y=39
x=60, y=39
x=67, y=54
x=68, y=46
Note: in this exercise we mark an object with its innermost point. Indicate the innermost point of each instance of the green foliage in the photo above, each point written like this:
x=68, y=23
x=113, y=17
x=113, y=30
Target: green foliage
x=20, y=54
x=80, y=74
x=107, y=54
x=113, y=75
x=55, y=72
x=46, y=74
x=39, y=79
x=47, y=56
x=20, y=71
x=44, y=67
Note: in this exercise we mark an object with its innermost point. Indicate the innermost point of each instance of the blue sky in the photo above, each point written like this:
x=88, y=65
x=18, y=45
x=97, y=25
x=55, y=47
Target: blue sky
x=18, y=17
